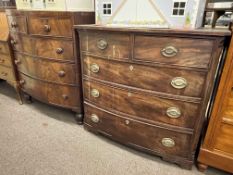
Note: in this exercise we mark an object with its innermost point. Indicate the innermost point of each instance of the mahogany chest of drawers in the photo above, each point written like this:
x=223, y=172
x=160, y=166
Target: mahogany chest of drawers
x=149, y=89
x=217, y=147
x=7, y=68
x=46, y=55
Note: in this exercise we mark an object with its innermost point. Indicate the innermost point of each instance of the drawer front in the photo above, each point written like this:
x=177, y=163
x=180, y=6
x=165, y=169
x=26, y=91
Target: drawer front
x=46, y=70
x=5, y=60
x=223, y=140
x=166, y=80
x=139, y=134
x=35, y=88
x=186, y=52
x=31, y=66
x=116, y=46
x=4, y=48
x=17, y=24
x=6, y=73
x=64, y=95
x=143, y=106
x=22, y=43
x=51, y=26
x=54, y=49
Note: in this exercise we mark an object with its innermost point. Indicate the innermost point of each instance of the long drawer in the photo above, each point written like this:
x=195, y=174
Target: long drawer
x=187, y=52
x=66, y=96
x=143, y=106
x=165, y=80
x=6, y=73
x=49, y=48
x=5, y=60
x=136, y=133
x=46, y=70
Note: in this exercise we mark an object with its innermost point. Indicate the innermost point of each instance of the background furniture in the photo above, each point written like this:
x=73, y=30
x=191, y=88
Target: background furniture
x=149, y=89
x=7, y=68
x=7, y=4
x=217, y=147
x=46, y=55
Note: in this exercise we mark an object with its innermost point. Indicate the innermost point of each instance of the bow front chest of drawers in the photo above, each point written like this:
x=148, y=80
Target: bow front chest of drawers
x=46, y=55
x=149, y=89
x=7, y=67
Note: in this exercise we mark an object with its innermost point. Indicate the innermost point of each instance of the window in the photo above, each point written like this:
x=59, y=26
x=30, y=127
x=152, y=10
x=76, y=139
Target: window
x=107, y=8
x=178, y=8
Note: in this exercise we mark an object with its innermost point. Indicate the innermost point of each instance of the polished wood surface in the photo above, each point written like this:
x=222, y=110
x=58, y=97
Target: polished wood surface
x=46, y=56
x=217, y=147
x=149, y=89
x=7, y=67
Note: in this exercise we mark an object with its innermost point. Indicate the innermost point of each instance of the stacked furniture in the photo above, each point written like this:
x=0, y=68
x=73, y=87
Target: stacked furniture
x=217, y=147
x=46, y=55
x=7, y=68
x=149, y=89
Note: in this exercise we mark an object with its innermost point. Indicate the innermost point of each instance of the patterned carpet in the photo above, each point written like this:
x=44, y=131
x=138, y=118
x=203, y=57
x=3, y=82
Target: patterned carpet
x=37, y=139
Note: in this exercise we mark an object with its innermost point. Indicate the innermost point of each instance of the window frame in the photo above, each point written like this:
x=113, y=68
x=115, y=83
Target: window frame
x=106, y=8
x=179, y=8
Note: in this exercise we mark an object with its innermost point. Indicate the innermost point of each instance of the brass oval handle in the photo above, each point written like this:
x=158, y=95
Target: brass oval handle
x=2, y=61
x=22, y=82
x=47, y=28
x=17, y=61
x=173, y=112
x=179, y=83
x=168, y=142
x=102, y=44
x=95, y=118
x=61, y=73
x=59, y=50
x=169, y=51
x=95, y=68
x=13, y=42
x=95, y=93
x=65, y=97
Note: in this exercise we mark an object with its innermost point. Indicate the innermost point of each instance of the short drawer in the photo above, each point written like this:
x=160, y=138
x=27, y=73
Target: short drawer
x=223, y=139
x=5, y=60
x=17, y=23
x=54, y=26
x=115, y=46
x=4, y=48
x=159, y=79
x=143, y=106
x=137, y=134
x=66, y=96
x=187, y=52
x=46, y=70
x=6, y=73
x=54, y=48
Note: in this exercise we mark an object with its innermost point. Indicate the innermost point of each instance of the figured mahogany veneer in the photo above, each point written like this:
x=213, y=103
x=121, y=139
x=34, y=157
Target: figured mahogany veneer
x=149, y=89
x=45, y=55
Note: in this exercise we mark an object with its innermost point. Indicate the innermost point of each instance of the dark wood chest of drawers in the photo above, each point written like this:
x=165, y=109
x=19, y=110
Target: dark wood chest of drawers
x=7, y=67
x=46, y=55
x=217, y=147
x=149, y=89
